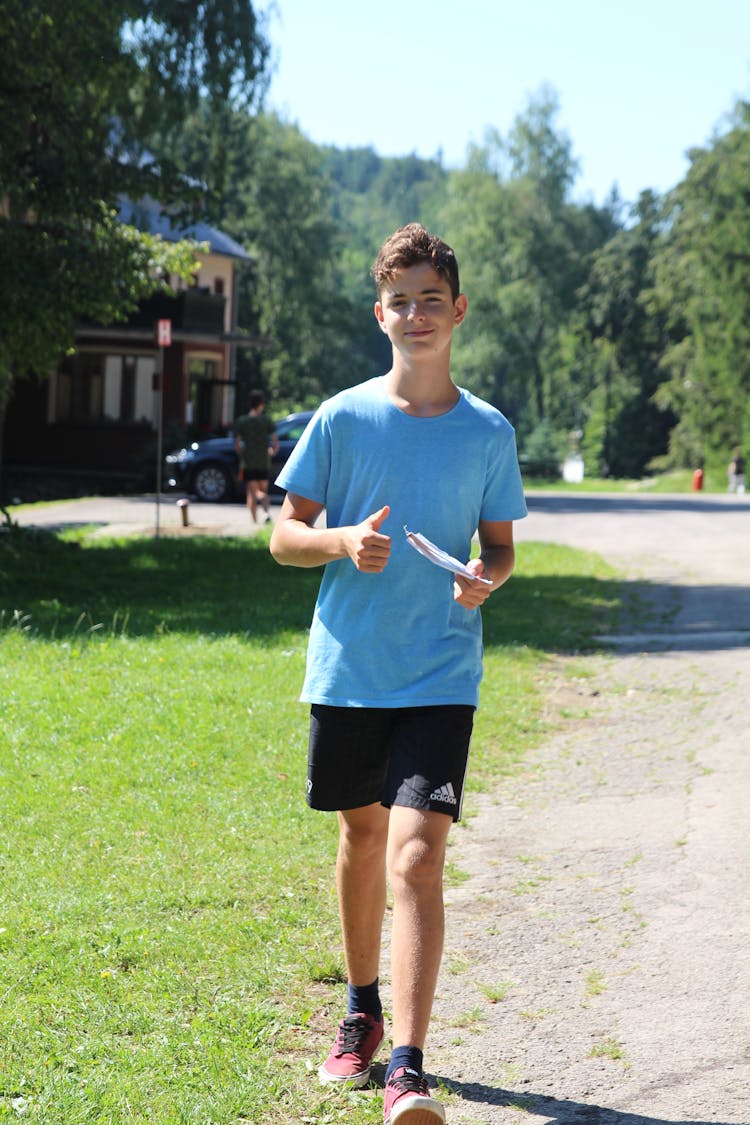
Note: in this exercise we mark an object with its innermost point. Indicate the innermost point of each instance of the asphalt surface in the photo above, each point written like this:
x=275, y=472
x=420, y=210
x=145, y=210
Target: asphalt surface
x=609, y=879
x=692, y=552
x=141, y=515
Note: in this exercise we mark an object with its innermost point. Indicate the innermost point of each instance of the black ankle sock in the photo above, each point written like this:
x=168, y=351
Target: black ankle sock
x=410, y=1057
x=365, y=998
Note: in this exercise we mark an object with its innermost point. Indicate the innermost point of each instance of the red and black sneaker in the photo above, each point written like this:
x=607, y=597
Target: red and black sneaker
x=357, y=1042
x=407, y=1100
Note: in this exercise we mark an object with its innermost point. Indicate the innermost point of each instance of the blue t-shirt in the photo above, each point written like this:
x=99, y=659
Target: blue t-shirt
x=398, y=638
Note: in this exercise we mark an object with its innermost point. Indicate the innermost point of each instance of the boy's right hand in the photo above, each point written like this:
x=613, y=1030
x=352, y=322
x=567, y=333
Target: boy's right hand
x=366, y=547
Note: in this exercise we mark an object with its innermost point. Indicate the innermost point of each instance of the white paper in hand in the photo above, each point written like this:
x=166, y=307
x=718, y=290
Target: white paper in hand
x=422, y=544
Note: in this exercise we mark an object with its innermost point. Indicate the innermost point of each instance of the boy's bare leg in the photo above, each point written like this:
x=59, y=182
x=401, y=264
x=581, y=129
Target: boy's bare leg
x=360, y=879
x=261, y=496
x=416, y=858
x=252, y=504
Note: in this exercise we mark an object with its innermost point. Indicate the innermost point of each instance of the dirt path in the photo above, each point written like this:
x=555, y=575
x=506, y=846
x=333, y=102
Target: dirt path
x=597, y=960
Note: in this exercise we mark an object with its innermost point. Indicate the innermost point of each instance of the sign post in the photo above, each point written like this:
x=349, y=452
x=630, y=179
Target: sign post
x=164, y=340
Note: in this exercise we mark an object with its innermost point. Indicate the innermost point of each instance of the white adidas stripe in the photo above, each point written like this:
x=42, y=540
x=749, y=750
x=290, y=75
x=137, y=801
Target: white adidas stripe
x=445, y=793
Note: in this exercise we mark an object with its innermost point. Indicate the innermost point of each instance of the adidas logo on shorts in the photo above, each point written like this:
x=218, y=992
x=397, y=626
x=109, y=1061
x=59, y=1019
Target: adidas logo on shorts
x=445, y=794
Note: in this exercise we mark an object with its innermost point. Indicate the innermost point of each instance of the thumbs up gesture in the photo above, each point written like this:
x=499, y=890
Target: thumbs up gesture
x=366, y=546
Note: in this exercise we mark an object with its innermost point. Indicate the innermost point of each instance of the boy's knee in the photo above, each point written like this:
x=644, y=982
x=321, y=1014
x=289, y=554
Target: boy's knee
x=362, y=837
x=416, y=863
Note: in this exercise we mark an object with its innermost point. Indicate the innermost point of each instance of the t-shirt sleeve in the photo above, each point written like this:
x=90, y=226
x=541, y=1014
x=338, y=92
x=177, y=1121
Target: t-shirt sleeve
x=503, y=497
x=307, y=472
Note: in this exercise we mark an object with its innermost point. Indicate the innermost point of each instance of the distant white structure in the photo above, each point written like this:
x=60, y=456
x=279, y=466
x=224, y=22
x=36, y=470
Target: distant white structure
x=572, y=470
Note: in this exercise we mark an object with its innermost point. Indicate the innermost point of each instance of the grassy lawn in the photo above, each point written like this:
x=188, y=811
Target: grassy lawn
x=168, y=927
x=675, y=481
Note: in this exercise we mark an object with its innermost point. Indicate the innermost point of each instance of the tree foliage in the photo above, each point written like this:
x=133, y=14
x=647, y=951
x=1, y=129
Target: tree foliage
x=624, y=340
x=115, y=266
x=620, y=330
x=281, y=216
x=195, y=56
x=80, y=86
x=702, y=288
x=525, y=250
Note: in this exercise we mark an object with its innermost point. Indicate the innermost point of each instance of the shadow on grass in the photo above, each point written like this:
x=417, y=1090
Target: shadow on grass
x=230, y=586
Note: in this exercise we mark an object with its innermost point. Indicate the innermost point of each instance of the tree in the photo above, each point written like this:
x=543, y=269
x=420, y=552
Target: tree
x=210, y=55
x=277, y=203
x=624, y=337
x=280, y=211
x=80, y=87
x=525, y=251
x=702, y=287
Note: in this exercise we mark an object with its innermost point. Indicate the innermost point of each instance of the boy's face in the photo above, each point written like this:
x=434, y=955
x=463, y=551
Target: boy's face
x=417, y=312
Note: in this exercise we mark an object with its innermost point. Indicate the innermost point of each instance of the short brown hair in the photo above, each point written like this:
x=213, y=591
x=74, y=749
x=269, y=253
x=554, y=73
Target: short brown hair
x=411, y=246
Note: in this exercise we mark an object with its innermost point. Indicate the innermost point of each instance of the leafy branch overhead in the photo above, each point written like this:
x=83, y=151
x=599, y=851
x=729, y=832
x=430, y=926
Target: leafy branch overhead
x=81, y=88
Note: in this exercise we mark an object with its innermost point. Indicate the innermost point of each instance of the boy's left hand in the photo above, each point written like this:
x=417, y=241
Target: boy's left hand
x=471, y=594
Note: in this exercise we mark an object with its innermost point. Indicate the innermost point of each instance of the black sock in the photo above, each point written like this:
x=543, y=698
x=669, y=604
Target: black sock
x=410, y=1057
x=365, y=998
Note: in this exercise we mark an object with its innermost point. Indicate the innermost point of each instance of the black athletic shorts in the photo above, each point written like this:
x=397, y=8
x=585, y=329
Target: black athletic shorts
x=412, y=756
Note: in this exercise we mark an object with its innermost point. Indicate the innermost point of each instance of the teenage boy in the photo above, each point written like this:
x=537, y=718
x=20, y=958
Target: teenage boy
x=255, y=440
x=395, y=650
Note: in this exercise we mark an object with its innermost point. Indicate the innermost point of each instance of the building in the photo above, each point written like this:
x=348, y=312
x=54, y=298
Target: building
x=98, y=413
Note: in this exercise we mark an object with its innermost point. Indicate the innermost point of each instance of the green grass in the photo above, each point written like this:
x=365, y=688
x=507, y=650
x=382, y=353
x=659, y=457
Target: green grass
x=168, y=927
x=674, y=481
x=609, y=1048
x=496, y=993
x=595, y=983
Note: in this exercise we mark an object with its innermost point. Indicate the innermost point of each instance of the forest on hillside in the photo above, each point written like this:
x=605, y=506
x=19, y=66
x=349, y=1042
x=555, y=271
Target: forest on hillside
x=618, y=331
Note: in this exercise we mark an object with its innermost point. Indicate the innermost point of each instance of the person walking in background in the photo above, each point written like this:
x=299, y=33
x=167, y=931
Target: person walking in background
x=255, y=441
x=395, y=651
x=736, y=472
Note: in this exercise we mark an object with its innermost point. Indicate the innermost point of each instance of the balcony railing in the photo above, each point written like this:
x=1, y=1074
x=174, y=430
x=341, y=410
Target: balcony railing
x=190, y=310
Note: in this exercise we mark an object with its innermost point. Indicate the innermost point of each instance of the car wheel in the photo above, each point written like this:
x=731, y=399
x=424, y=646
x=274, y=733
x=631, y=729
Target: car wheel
x=211, y=484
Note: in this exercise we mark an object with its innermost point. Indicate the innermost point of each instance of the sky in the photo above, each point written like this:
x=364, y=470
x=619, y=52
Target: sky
x=638, y=83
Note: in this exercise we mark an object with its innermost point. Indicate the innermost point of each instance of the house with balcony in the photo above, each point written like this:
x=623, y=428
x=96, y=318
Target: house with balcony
x=98, y=412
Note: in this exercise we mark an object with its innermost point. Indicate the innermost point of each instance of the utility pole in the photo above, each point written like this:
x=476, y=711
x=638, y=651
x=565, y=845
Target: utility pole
x=164, y=340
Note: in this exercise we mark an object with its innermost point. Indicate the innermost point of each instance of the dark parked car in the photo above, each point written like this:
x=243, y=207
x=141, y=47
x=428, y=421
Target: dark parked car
x=208, y=469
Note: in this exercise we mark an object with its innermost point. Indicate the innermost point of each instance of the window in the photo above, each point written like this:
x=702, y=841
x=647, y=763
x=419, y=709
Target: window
x=207, y=392
x=91, y=387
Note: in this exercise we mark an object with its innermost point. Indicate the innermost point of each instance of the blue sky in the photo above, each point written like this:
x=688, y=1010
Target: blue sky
x=638, y=83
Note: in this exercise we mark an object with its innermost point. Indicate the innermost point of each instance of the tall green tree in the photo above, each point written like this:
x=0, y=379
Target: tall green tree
x=80, y=88
x=624, y=338
x=702, y=285
x=280, y=212
x=207, y=55
x=525, y=251
x=303, y=342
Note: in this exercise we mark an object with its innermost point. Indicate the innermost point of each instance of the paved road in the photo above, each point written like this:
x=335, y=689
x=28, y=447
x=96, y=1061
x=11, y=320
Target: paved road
x=122, y=515
x=609, y=879
x=694, y=551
